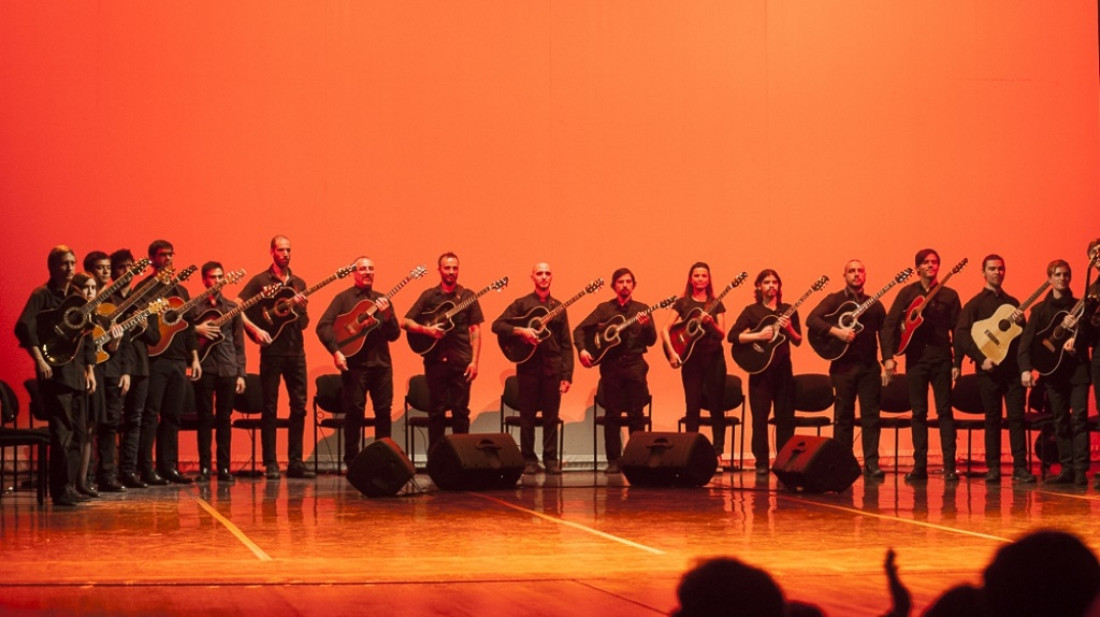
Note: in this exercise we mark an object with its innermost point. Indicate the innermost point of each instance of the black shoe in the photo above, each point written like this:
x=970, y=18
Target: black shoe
x=873, y=471
x=153, y=478
x=111, y=486
x=1080, y=478
x=131, y=480
x=761, y=471
x=204, y=475
x=175, y=477
x=225, y=477
x=65, y=500
x=1023, y=476
x=1065, y=477
x=298, y=470
x=271, y=472
x=87, y=491
x=918, y=474
x=75, y=495
x=993, y=477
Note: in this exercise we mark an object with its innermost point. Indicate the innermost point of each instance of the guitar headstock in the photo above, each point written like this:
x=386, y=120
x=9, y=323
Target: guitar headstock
x=499, y=284
x=594, y=286
x=164, y=277
x=959, y=266
x=270, y=290
x=346, y=270
x=667, y=302
x=138, y=266
x=821, y=282
x=186, y=273
x=740, y=279
x=903, y=275
x=158, y=306
x=418, y=272
x=234, y=276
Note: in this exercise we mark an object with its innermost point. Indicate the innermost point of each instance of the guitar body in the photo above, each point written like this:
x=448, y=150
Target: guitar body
x=828, y=346
x=756, y=357
x=422, y=343
x=684, y=335
x=994, y=334
x=599, y=339
x=60, y=330
x=207, y=344
x=515, y=348
x=352, y=327
x=914, y=317
x=171, y=323
x=274, y=313
x=1047, y=348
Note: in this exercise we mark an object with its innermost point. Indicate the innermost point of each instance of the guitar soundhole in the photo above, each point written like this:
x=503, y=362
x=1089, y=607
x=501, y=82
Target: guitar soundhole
x=74, y=319
x=1004, y=325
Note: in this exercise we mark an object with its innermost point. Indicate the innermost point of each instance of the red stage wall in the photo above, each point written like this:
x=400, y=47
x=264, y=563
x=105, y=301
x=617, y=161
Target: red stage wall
x=753, y=134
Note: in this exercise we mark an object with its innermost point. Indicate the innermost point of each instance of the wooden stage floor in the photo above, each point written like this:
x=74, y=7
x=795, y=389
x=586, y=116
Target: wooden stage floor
x=578, y=544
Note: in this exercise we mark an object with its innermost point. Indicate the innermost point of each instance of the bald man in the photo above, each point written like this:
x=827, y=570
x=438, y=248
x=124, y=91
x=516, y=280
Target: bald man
x=546, y=374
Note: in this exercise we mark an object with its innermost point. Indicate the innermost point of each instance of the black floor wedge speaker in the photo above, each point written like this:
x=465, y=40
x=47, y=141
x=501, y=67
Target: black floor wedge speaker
x=381, y=469
x=816, y=465
x=669, y=459
x=475, y=462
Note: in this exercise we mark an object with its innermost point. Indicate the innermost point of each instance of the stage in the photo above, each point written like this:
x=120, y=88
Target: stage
x=578, y=544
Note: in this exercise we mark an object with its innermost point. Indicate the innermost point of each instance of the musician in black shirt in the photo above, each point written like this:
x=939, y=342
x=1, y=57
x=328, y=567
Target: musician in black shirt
x=703, y=374
x=451, y=365
x=856, y=373
x=281, y=359
x=546, y=375
x=1067, y=387
x=928, y=360
x=774, y=386
x=997, y=382
x=62, y=389
x=109, y=395
x=368, y=370
x=623, y=368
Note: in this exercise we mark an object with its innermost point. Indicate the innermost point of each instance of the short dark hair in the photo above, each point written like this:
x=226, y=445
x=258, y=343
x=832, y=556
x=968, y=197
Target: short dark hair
x=447, y=255
x=1058, y=263
x=992, y=257
x=157, y=245
x=120, y=257
x=621, y=272
x=923, y=254
x=91, y=258
x=211, y=265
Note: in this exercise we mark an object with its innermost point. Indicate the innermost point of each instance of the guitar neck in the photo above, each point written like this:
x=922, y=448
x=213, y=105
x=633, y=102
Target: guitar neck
x=242, y=307
x=193, y=302
x=332, y=277
x=461, y=306
x=132, y=321
x=794, y=307
x=875, y=298
x=1030, y=300
x=715, y=302
x=143, y=290
x=559, y=309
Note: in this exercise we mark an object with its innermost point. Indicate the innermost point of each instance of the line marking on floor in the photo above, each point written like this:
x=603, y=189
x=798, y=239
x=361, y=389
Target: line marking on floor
x=233, y=529
x=585, y=528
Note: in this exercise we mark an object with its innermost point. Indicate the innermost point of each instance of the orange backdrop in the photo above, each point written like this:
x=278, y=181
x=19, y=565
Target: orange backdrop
x=790, y=135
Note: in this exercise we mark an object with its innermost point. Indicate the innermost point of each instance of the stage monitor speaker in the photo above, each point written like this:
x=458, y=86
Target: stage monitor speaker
x=381, y=469
x=816, y=465
x=475, y=462
x=669, y=459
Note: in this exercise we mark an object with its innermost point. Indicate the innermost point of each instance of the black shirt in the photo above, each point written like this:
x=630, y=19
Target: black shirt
x=711, y=340
x=375, y=352
x=864, y=349
x=290, y=341
x=557, y=350
x=932, y=340
x=46, y=297
x=635, y=339
x=455, y=345
x=227, y=358
x=751, y=317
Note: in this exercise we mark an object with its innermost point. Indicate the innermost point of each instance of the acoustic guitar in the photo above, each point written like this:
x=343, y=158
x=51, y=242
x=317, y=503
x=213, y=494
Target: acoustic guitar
x=516, y=348
x=755, y=357
x=683, y=335
x=847, y=316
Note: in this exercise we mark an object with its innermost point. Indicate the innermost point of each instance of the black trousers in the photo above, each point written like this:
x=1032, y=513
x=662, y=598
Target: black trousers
x=134, y=416
x=447, y=389
x=772, y=388
x=66, y=411
x=704, y=380
x=108, y=429
x=625, y=390
x=357, y=382
x=539, y=389
x=863, y=381
x=214, y=396
x=292, y=370
x=937, y=374
x=1003, y=384
x=167, y=380
x=1069, y=404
